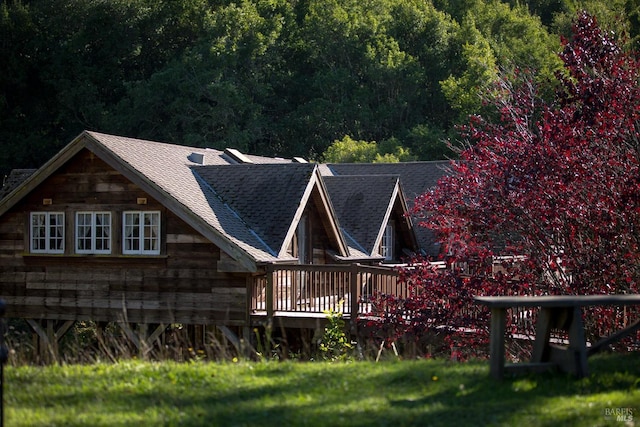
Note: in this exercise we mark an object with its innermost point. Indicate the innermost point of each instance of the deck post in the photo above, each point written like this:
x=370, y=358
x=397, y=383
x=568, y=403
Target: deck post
x=353, y=298
x=269, y=300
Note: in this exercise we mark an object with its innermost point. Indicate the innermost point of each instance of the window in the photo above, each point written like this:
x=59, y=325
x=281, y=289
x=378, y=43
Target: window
x=141, y=233
x=386, y=246
x=47, y=232
x=93, y=232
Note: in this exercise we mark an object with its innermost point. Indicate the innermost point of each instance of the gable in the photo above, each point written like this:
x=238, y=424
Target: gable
x=162, y=171
x=327, y=221
x=365, y=204
x=361, y=203
x=85, y=183
x=271, y=199
x=265, y=197
x=404, y=229
x=415, y=178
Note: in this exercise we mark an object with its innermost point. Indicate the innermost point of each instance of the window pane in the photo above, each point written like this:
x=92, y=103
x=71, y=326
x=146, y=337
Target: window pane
x=131, y=232
x=56, y=232
x=386, y=246
x=103, y=232
x=47, y=232
x=151, y=231
x=83, y=232
x=38, y=232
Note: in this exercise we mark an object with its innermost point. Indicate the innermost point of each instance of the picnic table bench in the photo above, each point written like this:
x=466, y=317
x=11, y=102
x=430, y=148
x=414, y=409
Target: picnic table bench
x=562, y=312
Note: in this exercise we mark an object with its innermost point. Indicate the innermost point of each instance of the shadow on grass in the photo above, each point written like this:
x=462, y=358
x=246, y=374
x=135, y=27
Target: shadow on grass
x=410, y=393
x=547, y=399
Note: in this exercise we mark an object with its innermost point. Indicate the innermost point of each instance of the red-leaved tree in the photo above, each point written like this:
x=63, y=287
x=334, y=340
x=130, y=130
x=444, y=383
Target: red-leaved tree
x=556, y=185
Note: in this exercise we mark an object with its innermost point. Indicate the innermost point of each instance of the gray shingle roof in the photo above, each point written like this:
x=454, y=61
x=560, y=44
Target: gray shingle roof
x=361, y=203
x=415, y=179
x=13, y=180
x=168, y=167
x=265, y=196
x=250, y=208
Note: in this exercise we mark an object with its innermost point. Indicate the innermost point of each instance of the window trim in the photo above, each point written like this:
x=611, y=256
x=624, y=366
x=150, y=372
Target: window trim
x=93, y=224
x=47, y=230
x=141, y=235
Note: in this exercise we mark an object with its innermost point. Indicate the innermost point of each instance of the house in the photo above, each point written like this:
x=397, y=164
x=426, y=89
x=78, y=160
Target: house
x=116, y=229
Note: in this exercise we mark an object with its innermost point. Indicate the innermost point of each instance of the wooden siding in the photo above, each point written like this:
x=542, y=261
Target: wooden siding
x=181, y=285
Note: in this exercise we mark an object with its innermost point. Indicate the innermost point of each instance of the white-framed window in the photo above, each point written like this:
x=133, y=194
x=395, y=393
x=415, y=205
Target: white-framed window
x=93, y=232
x=141, y=232
x=386, y=246
x=47, y=232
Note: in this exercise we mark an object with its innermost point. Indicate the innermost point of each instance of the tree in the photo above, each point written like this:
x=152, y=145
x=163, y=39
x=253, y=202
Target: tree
x=348, y=150
x=557, y=184
x=213, y=94
x=273, y=77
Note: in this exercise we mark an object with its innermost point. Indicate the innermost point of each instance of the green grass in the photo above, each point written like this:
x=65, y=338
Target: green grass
x=396, y=393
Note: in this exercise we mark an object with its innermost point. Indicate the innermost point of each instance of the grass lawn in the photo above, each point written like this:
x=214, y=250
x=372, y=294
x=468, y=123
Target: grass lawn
x=392, y=393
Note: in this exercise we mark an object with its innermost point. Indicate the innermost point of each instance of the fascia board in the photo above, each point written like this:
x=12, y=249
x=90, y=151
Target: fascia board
x=315, y=181
x=392, y=201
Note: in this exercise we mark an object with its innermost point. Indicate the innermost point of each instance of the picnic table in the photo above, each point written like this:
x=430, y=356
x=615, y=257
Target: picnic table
x=562, y=312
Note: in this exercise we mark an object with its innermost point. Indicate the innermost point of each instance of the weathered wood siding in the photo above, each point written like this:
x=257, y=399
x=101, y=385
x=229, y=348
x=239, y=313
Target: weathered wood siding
x=181, y=285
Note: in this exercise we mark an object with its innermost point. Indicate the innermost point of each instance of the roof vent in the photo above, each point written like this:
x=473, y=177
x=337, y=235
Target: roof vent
x=196, y=158
x=237, y=155
x=299, y=160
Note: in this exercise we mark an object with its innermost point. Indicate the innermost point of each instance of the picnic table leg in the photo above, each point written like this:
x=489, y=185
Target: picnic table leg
x=541, y=346
x=498, y=324
x=578, y=344
x=573, y=358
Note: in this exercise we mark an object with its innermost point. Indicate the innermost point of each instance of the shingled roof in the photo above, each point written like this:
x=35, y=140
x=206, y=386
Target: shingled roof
x=13, y=180
x=169, y=169
x=165, y=172
x=249, y=205
x=363, y=205
x=266, y=196
x=415, y=178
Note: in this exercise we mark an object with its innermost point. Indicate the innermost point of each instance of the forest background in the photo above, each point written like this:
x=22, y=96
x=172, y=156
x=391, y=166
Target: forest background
x=272, y=77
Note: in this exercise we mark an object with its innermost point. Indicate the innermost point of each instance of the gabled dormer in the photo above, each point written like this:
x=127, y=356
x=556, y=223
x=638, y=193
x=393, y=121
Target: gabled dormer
x=285, y=205
x=371, y=210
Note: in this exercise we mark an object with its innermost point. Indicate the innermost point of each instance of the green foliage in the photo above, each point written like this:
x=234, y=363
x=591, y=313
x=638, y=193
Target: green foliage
x=407, y=393
x=463, y=91
x=348, y=150
x=429, y=142
x=267, y=76
x=335, y=344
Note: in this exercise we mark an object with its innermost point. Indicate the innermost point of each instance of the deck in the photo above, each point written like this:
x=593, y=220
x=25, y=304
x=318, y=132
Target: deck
x=302, y=295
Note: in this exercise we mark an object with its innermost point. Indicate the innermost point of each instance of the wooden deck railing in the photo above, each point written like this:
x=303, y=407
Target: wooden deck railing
x=338, y=288
x=316, y=289
x=321, y=288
